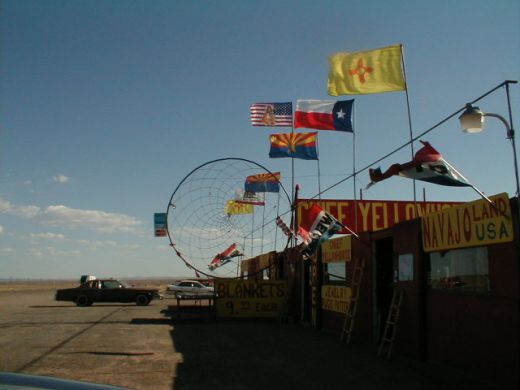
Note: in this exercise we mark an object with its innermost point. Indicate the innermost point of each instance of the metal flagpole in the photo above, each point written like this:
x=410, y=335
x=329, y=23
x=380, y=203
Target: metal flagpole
x=292, y=175
x=263, y=224
x=409, y=120
x=319, y=174
x=277, y=211
x=354, y=166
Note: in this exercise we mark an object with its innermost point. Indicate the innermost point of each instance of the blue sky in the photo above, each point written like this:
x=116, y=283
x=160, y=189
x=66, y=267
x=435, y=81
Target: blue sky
x=106, y=106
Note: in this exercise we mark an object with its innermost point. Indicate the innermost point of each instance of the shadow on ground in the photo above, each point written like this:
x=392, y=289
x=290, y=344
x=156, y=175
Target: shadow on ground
x=220, y=354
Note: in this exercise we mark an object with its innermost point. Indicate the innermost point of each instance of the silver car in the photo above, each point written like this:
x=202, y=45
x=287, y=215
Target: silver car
x=186, y=288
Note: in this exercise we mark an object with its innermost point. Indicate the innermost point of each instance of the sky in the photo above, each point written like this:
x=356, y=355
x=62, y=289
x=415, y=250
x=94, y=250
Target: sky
x=105, y=106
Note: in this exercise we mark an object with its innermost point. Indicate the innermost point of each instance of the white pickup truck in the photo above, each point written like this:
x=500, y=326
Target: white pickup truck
x=187, y=288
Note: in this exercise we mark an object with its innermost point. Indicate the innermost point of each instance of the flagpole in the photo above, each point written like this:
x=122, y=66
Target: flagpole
x=319, y=174
x=354, y=165
x=470, y=184
x=263, y=224
x=277, y=211
x=293, y=195
x=409, y=122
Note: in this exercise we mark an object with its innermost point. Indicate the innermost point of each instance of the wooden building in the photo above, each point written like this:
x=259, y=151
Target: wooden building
x=459, y=272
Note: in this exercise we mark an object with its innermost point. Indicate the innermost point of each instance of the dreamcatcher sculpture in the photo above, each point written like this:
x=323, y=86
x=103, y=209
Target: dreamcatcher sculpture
x=225, y=211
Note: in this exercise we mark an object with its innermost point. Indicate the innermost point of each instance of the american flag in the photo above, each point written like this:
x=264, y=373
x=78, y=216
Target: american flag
x=271, y=114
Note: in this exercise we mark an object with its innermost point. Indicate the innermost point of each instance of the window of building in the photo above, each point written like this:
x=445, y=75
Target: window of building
x=334, y=273
x=460, y=270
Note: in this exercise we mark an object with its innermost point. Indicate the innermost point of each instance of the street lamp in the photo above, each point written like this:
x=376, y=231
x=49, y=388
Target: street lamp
x=472, y=121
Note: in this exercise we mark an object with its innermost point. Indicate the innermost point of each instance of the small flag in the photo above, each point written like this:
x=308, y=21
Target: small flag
x=363, y=72
x=315, y=227
x=224, y=257
x=160, y=224
x=271, y=114
x=324, y=114
x=427, y=165
x=247, y=197
x=296, y=145
x=236, y=208
x=263, y=182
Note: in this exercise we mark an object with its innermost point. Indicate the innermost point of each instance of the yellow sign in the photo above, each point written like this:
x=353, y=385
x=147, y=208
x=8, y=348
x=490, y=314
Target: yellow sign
x=337, y=250
x=470, y=224
x=234, y=208
x=335, y=298
x=249, y=299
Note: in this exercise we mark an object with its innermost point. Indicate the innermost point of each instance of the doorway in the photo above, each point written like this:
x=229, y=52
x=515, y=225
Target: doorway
x=383, y=283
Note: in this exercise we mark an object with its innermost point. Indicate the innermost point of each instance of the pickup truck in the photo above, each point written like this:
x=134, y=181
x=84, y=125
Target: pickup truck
x=187, y=288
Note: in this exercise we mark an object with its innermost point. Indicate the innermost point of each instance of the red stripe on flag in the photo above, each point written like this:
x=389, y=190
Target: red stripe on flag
x=314, y=120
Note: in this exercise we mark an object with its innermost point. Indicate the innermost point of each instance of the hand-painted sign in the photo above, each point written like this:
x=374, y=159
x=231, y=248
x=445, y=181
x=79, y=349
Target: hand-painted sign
x=470, y=224
x=372, y=215
x=335, y=298
x=249, y=299
x=337, y=250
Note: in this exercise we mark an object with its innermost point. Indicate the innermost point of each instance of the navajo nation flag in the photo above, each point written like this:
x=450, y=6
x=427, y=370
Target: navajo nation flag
x=263, y=182
x=295, y=145
x=363, y=72
x=271, y=114
x=324, y=114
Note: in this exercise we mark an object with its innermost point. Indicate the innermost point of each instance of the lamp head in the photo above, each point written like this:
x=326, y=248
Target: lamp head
x=472, y=119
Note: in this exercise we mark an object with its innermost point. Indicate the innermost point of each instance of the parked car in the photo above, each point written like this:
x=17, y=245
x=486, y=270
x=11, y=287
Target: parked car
x=189, y=287
x=107, y=290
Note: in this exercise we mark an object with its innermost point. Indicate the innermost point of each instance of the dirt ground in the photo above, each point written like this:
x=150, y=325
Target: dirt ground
x=151, y=348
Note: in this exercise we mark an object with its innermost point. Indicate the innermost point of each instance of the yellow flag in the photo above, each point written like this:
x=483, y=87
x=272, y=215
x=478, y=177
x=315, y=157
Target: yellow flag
x=234, y=208
x=363, y=72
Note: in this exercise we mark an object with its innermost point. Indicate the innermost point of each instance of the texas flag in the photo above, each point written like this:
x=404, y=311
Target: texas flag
x=324, y=114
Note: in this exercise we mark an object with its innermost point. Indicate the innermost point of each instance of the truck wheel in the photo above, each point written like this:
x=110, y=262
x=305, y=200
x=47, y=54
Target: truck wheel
x=142, y=300
x=83, y=301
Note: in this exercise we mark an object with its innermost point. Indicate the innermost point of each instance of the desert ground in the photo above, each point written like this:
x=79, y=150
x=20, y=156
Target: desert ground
x=151, y=348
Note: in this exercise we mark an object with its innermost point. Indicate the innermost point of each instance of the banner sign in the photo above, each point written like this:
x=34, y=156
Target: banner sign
x=249, y=299
x=335, y=298
x=159, y=220
x=372, y=215
x=337, y=250
x=470, y=224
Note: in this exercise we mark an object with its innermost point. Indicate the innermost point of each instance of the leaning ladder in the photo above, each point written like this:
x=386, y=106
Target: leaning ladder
x=350, y=315
x=387, y=341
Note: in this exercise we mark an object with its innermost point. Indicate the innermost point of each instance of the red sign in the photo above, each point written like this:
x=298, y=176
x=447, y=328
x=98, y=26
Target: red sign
x=372, y=215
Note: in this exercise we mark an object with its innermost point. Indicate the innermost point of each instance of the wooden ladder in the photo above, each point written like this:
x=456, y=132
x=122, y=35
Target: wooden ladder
x=387, y=341
x=350, y=315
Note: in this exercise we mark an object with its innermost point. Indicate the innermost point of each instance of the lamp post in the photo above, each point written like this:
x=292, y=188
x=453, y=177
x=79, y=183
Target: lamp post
x=472, y=121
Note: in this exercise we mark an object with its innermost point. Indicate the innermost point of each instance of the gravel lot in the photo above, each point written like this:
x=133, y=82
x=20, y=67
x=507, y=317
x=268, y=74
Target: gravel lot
x=150, y=348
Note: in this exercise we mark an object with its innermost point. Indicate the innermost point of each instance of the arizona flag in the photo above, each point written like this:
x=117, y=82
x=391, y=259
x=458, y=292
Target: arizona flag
x=324, y=114
x=427, y=165
x=295, y=145
x=263, y=182
x=363, y=72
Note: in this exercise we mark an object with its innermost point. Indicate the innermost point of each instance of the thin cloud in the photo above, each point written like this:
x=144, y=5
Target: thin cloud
x=63, y=216
x=61, y=179
x=66, y=217
x=19, y=211
x=48, y=236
